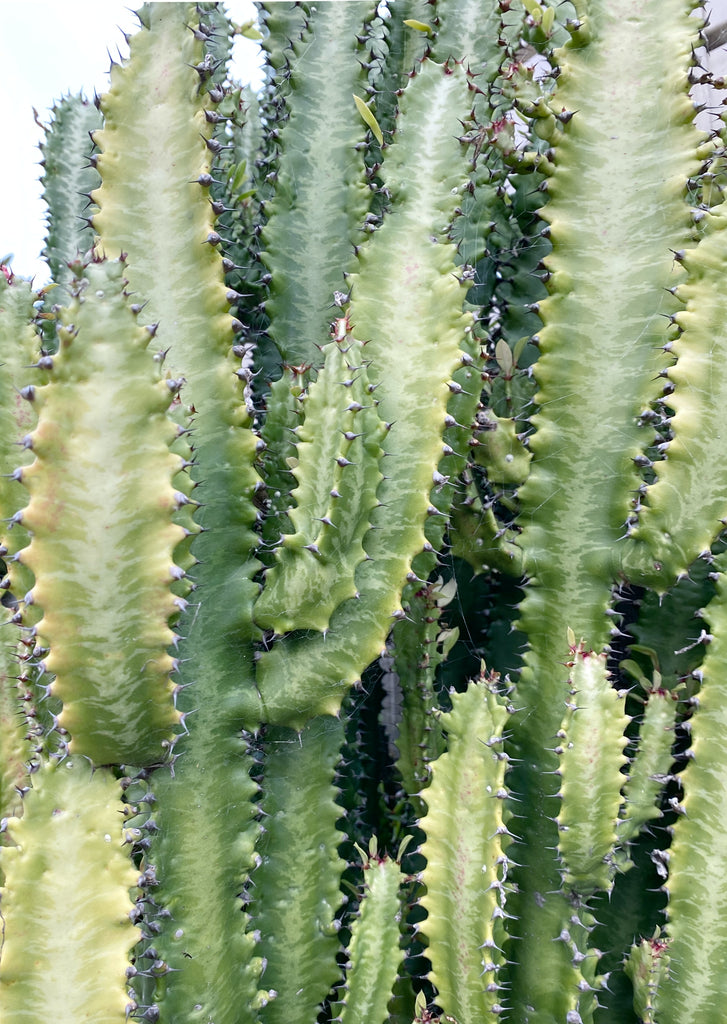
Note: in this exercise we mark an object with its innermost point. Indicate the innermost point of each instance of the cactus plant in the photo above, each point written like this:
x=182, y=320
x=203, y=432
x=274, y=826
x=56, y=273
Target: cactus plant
x=363, y=500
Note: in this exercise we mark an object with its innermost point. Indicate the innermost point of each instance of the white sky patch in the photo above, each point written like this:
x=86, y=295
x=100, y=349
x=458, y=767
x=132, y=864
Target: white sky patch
x=73, y=44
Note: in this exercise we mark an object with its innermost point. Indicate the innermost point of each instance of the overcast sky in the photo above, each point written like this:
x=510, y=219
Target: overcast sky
x=49, y=49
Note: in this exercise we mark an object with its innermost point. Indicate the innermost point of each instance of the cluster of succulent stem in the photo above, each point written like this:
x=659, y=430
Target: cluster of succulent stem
x=363, y=604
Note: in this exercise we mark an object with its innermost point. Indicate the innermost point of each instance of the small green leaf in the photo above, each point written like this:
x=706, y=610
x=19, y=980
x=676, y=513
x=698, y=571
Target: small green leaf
x=445, y=592
x=534, y=10
x=634, y=670
x=448, y=638
x=248, y=30
x=369, y=118
x=466, y=872
x=503, y=355
x=239, y=178
x=420, y=26
x=518, y=348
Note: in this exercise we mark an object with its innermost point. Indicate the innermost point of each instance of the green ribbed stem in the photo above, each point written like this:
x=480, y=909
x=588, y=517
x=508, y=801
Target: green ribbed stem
x=419, y=643
x=647, y=966
x=616, y=213
x=155, y=206
x=67, y=180
x=374, y=953
x=686, y=507
x=102, y=499
x=696, y=987
x=295, y=891
x=336, y=467
x=590, y=751
x=18, y=343
x=66, y=903
x=467, y=864
x=650, y=765
x=202, y=859
x=313, y=223
x=407, y=304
